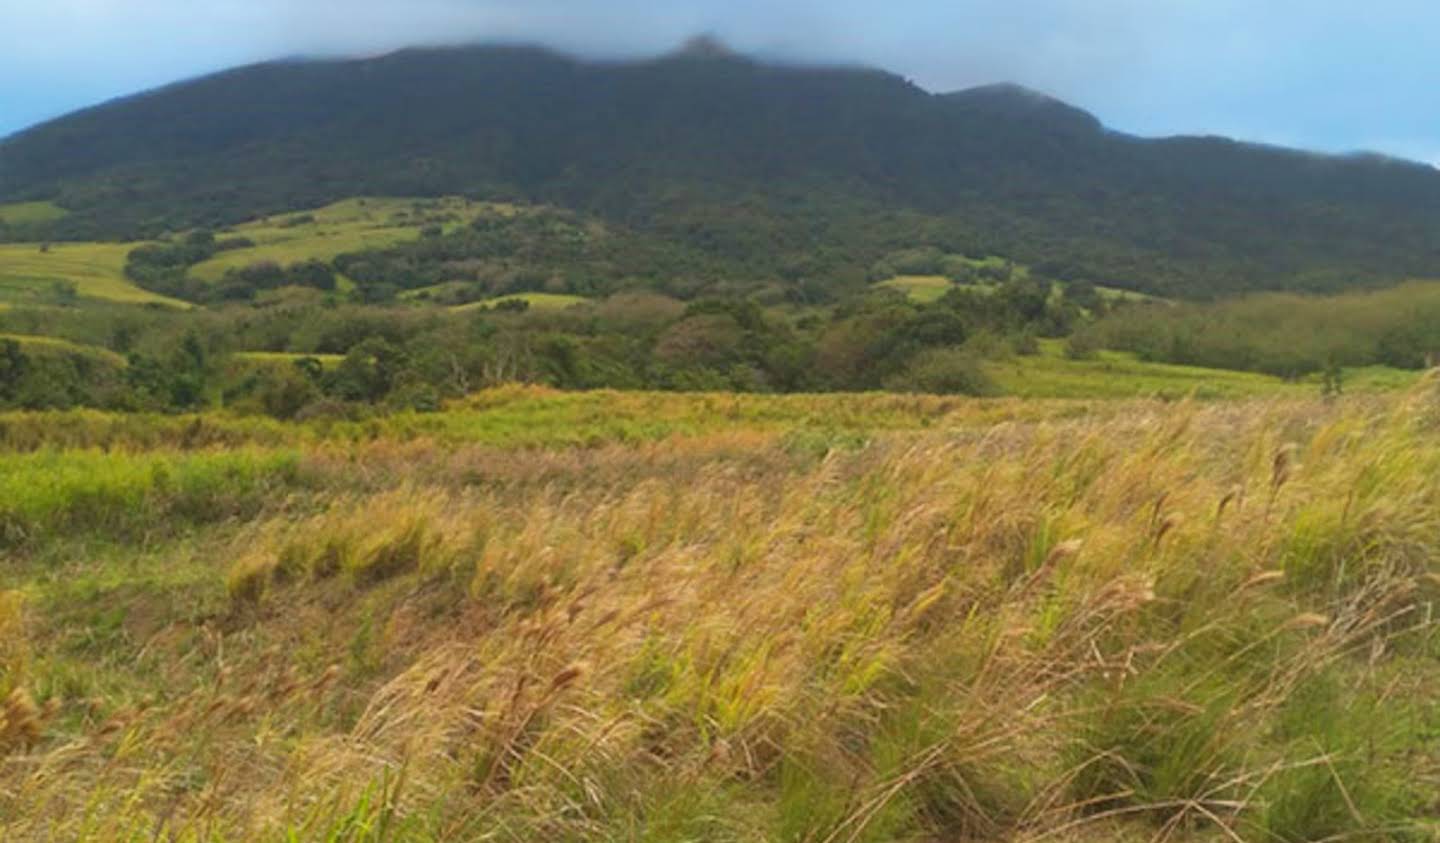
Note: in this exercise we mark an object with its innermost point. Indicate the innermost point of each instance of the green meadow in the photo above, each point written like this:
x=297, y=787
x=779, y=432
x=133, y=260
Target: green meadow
x=920, y=288
x=30, y=272
x=1050, y=373
x=20, y=213
x=352, y=225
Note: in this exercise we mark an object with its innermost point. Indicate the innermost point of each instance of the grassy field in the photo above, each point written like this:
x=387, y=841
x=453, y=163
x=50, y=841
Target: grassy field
x=740, y=618
x=1114, y=374
x=347, y=226
x=19, y=213
x=95, y=269
x=920, y=288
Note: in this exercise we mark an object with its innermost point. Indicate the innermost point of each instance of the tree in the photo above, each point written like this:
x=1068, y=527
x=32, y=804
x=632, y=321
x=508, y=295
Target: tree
x=14, y=364
x=368, y=372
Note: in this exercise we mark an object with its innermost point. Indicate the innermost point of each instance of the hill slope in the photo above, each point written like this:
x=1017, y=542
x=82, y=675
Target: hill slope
x=788, y=171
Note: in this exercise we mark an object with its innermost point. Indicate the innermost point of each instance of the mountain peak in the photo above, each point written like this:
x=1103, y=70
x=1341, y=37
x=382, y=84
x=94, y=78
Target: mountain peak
x=706, y=45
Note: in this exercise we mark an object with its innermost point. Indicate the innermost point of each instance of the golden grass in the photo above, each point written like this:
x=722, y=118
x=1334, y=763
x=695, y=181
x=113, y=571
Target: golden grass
x=96, y=269
x=1153, y=623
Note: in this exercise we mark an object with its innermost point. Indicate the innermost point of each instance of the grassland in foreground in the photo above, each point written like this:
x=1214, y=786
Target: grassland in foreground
x=946, y=620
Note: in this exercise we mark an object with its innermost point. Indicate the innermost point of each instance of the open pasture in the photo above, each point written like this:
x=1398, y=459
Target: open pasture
x=30, y=272
x=22, y=213
x=351, y=225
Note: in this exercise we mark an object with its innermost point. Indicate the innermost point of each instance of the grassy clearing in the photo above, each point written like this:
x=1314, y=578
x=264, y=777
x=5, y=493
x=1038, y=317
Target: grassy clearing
x=1113, y=374
x=347, y=226
x=1181, y=621
x=1116, y=294
x=97, y=271
x=21, y=213
x=925, y=289
x=536, y=301
x=920, y=288
x=327, y=361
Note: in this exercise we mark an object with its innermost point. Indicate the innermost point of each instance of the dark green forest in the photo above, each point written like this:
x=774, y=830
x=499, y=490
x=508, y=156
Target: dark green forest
x=348, y=359
x=723, y=167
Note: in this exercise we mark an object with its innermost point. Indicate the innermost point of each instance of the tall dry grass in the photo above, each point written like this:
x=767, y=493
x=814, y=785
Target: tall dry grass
x=1176, y=622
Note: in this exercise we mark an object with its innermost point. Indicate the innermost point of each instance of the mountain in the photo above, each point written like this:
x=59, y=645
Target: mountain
x=788, y=171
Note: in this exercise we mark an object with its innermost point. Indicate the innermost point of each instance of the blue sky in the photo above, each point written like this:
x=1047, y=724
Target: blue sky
x=1321, y=74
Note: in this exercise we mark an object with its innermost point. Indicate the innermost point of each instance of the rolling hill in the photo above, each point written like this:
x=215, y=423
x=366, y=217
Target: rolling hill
x=784, y=172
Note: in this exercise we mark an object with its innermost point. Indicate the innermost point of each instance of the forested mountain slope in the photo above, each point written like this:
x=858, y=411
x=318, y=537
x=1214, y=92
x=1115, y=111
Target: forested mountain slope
x=784, y=171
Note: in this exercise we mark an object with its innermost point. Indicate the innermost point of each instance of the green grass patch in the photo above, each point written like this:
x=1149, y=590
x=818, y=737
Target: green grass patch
x=97, y=271
x=49, y=493
x=920, y=288
x=536, y=301
x=1115, y=374
x=23, y=213
x=54, y=345
x=327, y=361
x=925, y=289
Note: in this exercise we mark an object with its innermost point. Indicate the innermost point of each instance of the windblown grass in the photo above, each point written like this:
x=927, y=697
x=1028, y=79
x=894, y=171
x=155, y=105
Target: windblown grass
x=1167, y=621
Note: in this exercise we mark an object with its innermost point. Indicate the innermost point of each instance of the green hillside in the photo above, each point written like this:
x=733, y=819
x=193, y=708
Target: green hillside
x=351, y=225
x=792, y=175
x=88, y=270
x=26, y=213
